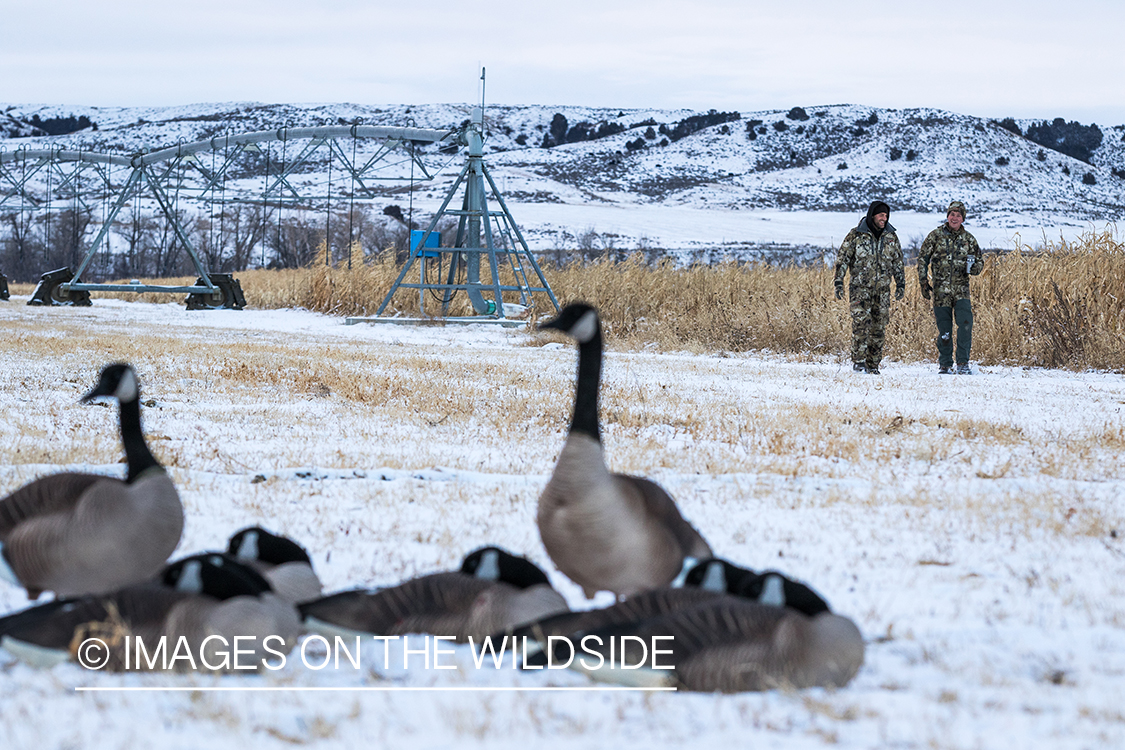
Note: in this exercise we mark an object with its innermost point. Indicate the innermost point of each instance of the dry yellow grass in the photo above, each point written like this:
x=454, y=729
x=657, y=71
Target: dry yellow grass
x=1059, y=305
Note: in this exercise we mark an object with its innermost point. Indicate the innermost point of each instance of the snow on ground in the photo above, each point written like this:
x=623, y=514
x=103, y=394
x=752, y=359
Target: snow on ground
x=972, y=527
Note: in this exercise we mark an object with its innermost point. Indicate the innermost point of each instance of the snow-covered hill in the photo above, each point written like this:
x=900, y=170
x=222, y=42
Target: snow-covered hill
x=649, y=178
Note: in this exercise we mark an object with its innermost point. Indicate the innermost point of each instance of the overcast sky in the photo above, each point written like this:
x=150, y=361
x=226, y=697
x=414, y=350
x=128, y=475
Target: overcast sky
x=1034, y=58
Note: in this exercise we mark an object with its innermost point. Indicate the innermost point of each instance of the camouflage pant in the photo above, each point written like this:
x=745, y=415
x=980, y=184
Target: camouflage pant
x=869, y=323
x=962, y=314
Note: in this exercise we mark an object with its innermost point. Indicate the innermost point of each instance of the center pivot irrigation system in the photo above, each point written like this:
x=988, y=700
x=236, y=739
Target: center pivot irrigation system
x=161, y=177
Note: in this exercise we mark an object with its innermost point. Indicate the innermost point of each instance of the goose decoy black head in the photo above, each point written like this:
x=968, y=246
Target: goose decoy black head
x=495, y=564
x=215, y=575
x=771, y=587
x=577, y=320
x=117, y=380
x=255, y=543
x=283, y=562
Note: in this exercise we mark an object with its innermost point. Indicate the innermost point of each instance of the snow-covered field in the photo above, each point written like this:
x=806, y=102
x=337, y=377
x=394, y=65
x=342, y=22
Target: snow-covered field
x=972, y=526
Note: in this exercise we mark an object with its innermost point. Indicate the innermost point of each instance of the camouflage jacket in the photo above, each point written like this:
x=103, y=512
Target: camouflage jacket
x=871, y=262
x=944, y=258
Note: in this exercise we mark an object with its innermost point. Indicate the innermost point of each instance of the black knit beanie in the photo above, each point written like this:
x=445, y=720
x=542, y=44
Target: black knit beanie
x=877, y=207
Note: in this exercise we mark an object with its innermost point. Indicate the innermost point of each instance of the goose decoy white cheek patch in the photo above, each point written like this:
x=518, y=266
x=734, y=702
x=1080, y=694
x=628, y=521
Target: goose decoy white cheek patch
x=586, y=327
x=127, y=387
x=489, y=567
x=248, y=549
x=191, y=577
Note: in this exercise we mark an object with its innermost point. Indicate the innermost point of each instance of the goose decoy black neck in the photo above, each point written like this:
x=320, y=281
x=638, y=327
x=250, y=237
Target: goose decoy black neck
x=495, y=564
x=119, y=381
x=255, y=543
x=770, y=587
x=580, y=321
x=218, y=576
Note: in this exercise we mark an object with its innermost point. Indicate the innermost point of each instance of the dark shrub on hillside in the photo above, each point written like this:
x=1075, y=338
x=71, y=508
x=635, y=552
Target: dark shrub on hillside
x=780, y=126
x=1042, y=155
x=635, y=145
x=842, y=165
x=689, y=125
x=910, y=155
x=1010, y=125
x=1089, y=179
x=870, y=120
x=607, y=129
x=896, y=153
x=582, y=131
x=559, y=126
x=521, y=139
x=1070, y=138
x=1066, y=169
x=556, y=133
x=561, y=131
x=650, y=133
x=1118, y=173
x=797, y=113
x=1001, y=161
x=61, y=125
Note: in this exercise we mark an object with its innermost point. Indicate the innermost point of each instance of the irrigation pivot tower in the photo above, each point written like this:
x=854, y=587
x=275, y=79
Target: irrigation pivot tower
x=503, y=246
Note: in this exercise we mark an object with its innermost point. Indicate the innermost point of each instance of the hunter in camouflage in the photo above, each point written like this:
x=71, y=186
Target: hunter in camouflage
x=949, y=256
x=871, y=254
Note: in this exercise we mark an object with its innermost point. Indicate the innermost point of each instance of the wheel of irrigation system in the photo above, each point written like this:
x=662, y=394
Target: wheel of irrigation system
x=227, y=294
x=49, y=291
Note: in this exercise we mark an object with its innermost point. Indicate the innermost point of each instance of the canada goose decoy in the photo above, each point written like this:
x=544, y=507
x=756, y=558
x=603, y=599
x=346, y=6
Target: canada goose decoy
x=607, y=531
x=704, y=584
x=494, y=591
x=283, y=562
x=195, y=598
x=86, y=533
x=770, y=587
x=725, y=644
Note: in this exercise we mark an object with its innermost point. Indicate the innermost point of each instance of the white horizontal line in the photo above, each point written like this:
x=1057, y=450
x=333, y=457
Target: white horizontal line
x=368, y=689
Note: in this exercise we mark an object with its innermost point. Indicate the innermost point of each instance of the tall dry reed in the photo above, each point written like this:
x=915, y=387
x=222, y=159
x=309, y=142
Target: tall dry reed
x=1058, y=305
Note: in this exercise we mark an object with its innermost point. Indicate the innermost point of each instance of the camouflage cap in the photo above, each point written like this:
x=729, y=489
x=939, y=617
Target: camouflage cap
x=959, y=207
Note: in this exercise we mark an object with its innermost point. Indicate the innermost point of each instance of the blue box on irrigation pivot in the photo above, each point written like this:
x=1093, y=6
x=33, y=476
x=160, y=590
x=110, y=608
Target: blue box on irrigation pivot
x=434, y=240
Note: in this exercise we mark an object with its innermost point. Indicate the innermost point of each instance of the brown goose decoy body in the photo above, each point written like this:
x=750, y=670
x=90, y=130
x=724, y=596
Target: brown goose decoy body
x=200, y=596
x=494, y=591
x=280, y=560
x=704, y=583
x=84, y=533
x=607, y=531
x=723, y=644
x=640, y=606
